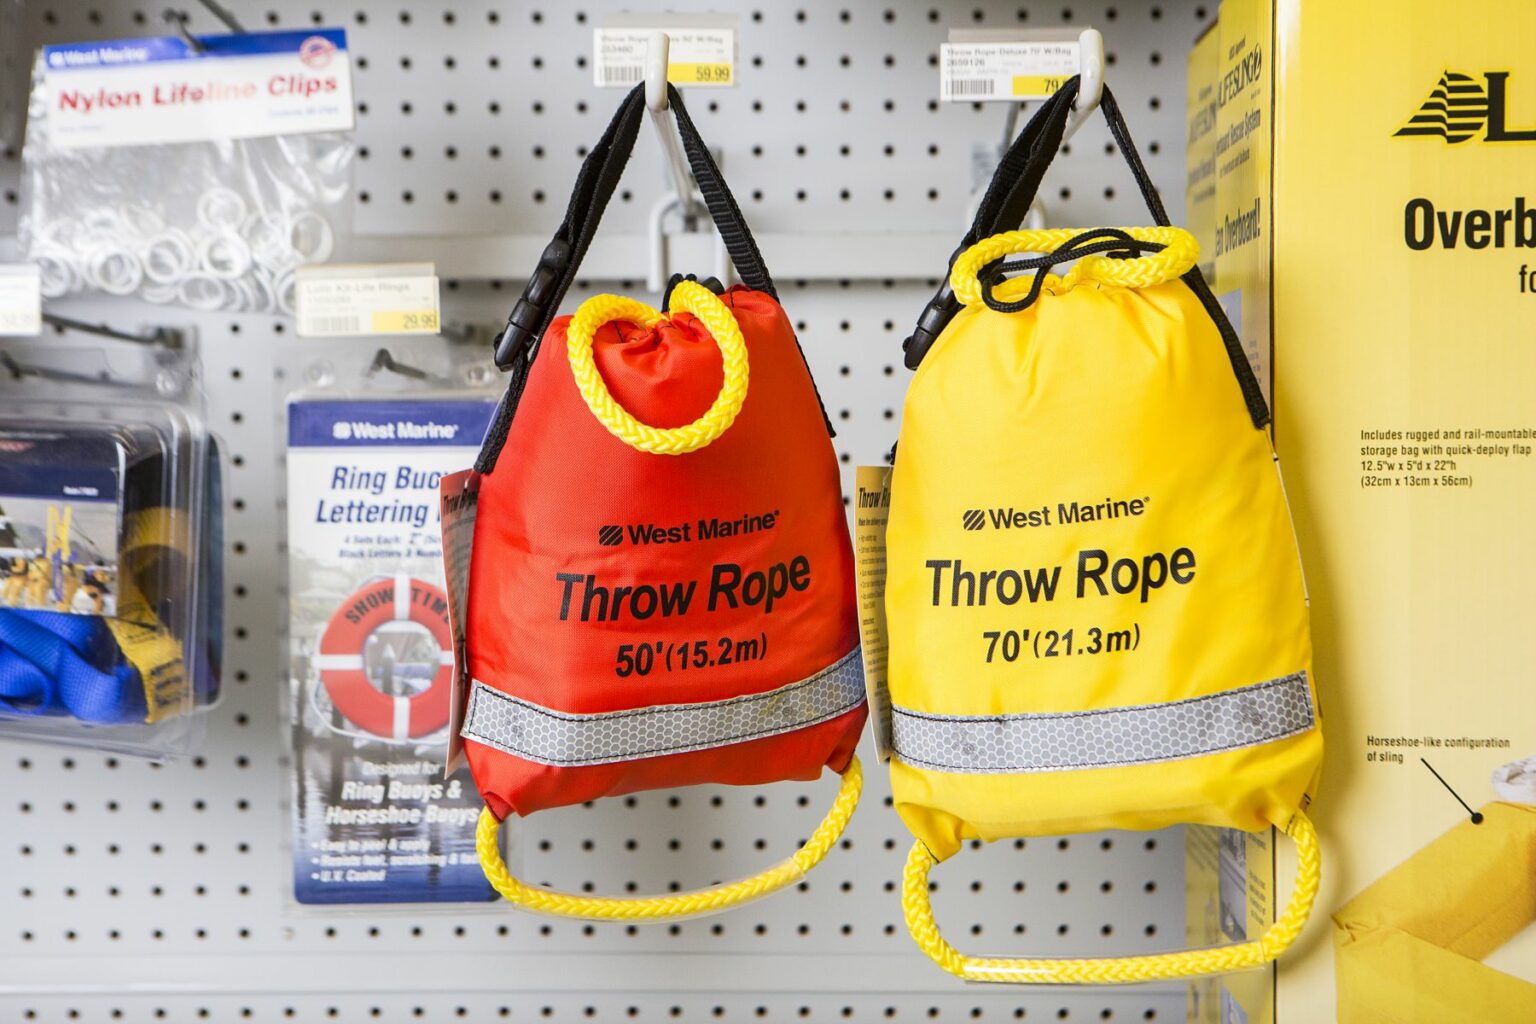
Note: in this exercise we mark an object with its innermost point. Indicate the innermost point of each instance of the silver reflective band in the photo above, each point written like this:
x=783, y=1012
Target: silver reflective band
x=1143, y=734
x=541, y=734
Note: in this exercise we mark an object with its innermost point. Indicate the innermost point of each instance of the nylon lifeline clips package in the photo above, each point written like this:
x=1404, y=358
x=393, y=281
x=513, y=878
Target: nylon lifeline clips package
x=660, y=587
x=197, y=172
x=1096, y=609
x=111, y=549
x=370, y=652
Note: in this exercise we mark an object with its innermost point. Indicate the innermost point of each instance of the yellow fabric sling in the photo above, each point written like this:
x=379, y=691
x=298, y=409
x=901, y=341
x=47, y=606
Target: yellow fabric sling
x=1410, y=947
x=1095, y=604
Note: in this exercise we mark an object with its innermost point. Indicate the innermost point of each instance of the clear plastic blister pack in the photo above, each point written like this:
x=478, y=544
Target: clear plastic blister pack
x=217, y=225
x=111, y=548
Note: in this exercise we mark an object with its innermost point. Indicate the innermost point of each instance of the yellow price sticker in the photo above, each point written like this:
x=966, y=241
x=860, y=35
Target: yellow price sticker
x=1037, y=85
x=415, y=321
x=700, y=74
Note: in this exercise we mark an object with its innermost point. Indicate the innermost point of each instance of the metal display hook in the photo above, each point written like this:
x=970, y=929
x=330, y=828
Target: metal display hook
x=683, y=198
x=1090, y=90
x=170, y=338
x=1090, y=87
x=384, y=361
x=179, y=19
x=657, y=60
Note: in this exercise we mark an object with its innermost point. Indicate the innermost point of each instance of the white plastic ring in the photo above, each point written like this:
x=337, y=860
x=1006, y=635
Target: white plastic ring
x=266, y=297
x=224, y=254
x=286, y=288
x=221, y=209
x=244, y=293
x=168, y=257
x=56, y=273
x=312, y=245
x=160, y=294
x=114, y=270
x=202, y=291
x=267, y=234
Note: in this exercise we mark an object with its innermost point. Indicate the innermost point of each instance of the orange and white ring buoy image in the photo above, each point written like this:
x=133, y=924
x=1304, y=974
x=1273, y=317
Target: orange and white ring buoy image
x=343, y=664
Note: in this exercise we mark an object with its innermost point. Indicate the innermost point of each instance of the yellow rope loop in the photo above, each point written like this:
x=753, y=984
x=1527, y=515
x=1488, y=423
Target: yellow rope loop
x=690, y=297
x=1115, y=970
x=1179, y=255
x=679, y=905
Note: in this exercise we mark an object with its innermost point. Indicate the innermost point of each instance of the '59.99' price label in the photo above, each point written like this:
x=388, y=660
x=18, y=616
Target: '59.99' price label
x=696, y=54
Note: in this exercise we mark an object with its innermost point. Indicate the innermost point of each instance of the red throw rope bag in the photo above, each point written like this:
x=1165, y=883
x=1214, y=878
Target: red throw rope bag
x=661, y=589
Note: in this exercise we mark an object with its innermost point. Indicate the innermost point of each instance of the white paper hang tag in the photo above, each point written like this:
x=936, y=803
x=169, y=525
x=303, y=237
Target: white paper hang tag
x=21, y=300
x=460, y=496
x=701, y=50
x=972, y=70
x=160, y=90
x=345, y=300
x=871, y=513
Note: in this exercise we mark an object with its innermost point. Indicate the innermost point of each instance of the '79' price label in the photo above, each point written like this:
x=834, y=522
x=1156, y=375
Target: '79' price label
x=1011, y=71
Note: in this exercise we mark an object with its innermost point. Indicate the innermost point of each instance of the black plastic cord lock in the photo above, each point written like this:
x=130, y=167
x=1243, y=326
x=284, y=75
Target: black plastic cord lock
x=712, y=283
x=527, y=317
x=930, y=325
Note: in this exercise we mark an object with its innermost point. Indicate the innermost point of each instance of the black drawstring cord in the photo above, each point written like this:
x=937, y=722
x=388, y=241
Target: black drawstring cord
x=1115, y=243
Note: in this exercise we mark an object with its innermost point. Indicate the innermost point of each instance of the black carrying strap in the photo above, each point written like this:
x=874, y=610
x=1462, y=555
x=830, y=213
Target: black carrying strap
x=1013, y=188
x=1003, y=207
x=517, y=344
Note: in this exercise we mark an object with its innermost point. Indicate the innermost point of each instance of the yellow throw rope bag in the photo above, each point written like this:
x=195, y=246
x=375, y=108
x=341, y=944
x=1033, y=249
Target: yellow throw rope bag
x=1096, y=609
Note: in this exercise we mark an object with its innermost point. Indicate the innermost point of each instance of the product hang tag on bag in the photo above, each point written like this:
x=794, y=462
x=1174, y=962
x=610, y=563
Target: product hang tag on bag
x=460, y=497
x=701, y=50
x=872, y=510
x=160, y=90
x=1008, y=65
x=21, y=300
x=347, y=300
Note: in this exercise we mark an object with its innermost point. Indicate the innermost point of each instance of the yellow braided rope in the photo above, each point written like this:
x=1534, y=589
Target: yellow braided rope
x=691, y=297
x=1143, y=271
x=1115, y=970
x=678, y=905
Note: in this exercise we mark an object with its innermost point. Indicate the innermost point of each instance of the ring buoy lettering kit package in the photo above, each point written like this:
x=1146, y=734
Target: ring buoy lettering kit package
x=370, y=647
x=655, y=580
x=1095, y=605
x=111, y=549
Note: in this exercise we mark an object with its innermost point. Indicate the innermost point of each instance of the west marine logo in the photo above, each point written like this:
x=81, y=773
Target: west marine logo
x=610, y=536
x=974, y=519
x=1460, y=106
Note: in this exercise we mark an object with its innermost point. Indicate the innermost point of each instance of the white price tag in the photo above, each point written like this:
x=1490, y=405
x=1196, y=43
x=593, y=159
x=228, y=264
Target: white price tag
x=697, y=55
x=367, y=298
x=1012, y=71
x=21, y=300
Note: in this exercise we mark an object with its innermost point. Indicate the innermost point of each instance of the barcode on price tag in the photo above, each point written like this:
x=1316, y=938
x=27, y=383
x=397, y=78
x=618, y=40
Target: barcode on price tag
x=367, y=298
x=698, y=54
x=1011, y=71
x=21, y=300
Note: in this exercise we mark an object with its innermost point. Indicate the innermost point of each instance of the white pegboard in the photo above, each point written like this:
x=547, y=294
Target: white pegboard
x=135, y=892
